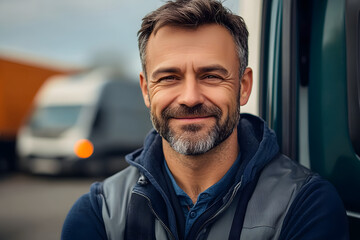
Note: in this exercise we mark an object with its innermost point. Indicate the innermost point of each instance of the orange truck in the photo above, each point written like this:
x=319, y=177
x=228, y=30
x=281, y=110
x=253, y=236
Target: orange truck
x=20, y=79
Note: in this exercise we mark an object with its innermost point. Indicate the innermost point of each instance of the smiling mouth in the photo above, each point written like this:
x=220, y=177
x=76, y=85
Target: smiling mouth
x=192, y=119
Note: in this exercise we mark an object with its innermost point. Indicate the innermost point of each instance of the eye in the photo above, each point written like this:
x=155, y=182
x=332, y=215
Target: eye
x=167, y=78
x=212, y=78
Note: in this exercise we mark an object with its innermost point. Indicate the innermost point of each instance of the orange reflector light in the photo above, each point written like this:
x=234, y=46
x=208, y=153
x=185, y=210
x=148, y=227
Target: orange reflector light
x=83, y=148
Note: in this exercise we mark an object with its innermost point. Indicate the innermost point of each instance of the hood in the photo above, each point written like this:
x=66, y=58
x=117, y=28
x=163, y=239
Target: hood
x=258, y=145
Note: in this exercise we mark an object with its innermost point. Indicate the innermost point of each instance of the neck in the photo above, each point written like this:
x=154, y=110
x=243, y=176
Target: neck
x=194, y=174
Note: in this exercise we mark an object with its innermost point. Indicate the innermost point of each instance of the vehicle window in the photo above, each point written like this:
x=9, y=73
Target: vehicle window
x=54, y=117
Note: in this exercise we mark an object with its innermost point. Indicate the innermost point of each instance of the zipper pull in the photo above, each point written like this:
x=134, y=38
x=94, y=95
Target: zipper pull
x=142, y=180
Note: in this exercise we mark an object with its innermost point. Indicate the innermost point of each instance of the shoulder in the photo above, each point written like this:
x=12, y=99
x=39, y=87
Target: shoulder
x=317, y=212
x=121, y=181
x=285, y=167
x=84, y=220
x=117, y=189
x=115, y=195
x=278, y=184
x=283, y=175
x=87, y=217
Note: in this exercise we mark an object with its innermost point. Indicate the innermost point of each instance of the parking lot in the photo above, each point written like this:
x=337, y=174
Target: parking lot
x=34, y=207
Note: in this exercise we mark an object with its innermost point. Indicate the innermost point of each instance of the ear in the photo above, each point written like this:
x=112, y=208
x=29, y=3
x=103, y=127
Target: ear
x=246, y=86
x=144, y=89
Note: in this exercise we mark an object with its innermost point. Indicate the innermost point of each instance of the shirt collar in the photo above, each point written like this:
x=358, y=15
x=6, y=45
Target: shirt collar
x=213, y=191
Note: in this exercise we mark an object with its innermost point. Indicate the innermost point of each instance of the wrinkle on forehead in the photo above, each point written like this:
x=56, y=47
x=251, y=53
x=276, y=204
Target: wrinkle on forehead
x=172, y=44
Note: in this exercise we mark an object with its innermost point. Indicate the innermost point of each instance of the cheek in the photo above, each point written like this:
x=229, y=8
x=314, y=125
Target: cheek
x=227, y=99
x=159, y=101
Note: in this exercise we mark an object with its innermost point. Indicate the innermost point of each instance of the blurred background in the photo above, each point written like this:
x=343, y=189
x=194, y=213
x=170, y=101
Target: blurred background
x=70, y=105
x=71, y=108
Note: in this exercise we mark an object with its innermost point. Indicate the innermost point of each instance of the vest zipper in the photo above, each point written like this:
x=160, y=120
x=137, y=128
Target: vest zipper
x=157, y=216
x=223, y=208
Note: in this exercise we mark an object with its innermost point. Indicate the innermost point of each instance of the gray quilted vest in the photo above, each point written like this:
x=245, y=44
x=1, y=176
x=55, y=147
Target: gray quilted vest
x=278, y=185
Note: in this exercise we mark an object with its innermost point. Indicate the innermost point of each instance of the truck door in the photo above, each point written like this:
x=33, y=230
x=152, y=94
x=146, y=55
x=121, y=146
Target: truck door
x=310, y=87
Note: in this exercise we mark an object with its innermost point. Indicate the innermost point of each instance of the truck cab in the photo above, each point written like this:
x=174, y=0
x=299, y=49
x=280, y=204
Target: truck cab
x=309, y=88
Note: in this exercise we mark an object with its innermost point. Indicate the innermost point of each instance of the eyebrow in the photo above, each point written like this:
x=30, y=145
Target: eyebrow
x=213, y=68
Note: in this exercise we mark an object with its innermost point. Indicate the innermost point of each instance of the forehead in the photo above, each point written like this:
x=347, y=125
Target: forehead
x=211, y=41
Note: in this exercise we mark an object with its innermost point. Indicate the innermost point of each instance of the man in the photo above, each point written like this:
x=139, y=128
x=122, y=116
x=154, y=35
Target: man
x=205, y=172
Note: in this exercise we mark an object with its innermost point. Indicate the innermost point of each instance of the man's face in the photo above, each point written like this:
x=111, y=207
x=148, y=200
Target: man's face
x=192, y=86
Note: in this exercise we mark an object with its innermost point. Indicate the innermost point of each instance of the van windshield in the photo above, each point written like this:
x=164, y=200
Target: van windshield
x=51, y=121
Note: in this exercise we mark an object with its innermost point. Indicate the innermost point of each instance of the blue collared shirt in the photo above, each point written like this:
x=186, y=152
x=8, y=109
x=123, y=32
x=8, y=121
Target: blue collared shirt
x=193, y=211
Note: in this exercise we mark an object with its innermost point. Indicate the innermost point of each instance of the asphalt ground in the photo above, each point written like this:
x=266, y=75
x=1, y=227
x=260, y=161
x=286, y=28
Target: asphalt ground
x=35, y=207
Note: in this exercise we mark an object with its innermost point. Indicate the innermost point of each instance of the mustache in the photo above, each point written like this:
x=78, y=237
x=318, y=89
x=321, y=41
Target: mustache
x=199, y=110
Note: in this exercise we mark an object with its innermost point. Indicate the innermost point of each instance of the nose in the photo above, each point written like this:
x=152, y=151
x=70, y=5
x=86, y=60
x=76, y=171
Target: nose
x=191, y=94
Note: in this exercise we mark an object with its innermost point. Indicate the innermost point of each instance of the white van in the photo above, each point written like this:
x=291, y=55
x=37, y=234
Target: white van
x=83, y=124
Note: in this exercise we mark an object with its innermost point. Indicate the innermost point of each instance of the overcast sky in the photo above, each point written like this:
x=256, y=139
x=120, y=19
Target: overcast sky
x=75, y=31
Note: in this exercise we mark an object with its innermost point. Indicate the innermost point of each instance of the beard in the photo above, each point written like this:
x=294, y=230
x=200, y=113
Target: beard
x=190, y=141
